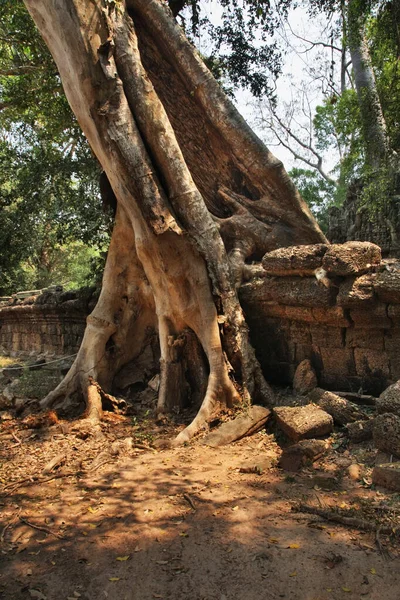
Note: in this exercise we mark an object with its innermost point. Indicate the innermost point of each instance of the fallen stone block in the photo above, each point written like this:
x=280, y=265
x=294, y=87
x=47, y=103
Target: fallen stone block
x=294, y=260
x=360, y=431
x=386, y=433
x=389, y=400
x=387, y=475
x=242, y=426
x=340, y=409
x=356, y=291
x=387, y=286
x=351, y=258
x=305, y=378
x=297, y=456
x=303, y=422
x=325, y=481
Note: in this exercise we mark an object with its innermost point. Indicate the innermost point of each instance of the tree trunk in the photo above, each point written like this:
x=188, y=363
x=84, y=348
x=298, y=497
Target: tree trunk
x=199, y=199
x=376, y=140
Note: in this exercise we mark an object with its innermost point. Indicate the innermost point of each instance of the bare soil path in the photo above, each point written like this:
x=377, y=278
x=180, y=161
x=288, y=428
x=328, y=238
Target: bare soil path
x=118, y=521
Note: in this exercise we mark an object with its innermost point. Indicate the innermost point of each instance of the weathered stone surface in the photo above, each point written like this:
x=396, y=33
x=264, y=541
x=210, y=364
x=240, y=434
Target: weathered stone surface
x=389, y=400
x=340, y=409
x=386, y=433
x=294, y=260
x=373, y=317
x=334, y=315
x=242, y=426
x=351, y=258
x=300, y=313
x=325, y=335
x=393, y=311
x=297, y=456
x=372, y=363
x=305, y=378
x=360, y=431
x=6, y=398
x=387, y=475
x=296, y=291
x=387, y=286
x=365, y=338
x=383, y=457
x=303, y=422
x=356, y=291
x=338, y=361
x=392, y=340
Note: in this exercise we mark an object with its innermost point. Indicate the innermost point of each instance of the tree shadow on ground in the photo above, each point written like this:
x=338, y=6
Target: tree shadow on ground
x=183, y=524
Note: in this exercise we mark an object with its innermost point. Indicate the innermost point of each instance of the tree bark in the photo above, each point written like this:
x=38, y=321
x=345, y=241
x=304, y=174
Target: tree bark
x=199, y=198
x=376, y=139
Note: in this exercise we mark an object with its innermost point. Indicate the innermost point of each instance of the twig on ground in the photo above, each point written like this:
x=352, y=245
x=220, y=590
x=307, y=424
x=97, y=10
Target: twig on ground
x=36, y=480
x=353, y=522
x=39, y=528
x=189, y=500
x=16, y=438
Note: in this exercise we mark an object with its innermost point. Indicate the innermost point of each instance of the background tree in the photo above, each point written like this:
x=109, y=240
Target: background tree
x=49, y=195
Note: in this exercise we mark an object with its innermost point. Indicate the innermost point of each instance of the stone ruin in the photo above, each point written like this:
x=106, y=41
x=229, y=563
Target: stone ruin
x=336, y=305
x=322, y=317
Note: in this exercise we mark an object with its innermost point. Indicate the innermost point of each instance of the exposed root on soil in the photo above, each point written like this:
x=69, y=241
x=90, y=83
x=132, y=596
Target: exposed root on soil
x=354, y=522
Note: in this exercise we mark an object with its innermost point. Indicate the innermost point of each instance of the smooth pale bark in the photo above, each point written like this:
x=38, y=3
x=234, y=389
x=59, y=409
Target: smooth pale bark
x=377, y=144
x=199, y=197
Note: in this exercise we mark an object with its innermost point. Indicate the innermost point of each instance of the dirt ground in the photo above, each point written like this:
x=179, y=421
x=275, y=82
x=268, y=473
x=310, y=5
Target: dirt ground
x=116, y=520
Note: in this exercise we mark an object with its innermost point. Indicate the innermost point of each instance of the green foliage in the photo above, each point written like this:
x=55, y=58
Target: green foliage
x=318, y=193
x=49, y=198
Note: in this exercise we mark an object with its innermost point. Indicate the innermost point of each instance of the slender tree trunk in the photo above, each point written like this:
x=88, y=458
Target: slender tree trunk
x=199, y=197
x=377, y=144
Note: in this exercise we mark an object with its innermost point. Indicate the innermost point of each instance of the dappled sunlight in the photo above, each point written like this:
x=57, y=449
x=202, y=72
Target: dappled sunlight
x=185, y=523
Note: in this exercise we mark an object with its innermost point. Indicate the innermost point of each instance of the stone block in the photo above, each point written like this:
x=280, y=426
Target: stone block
x=387, y=286
x=299, y=313
x=300, y=333
x=244, y=425
x=304, y=352
x=272, y=309
x=305, y=378
x=360, y=431
x=341, y=410
x=351, y=258
x=395, y=367
x=389, y=400
x=297, y=456
x=386, y=433
x=303, y=421
x=374, y=317
x=297, y=291
x=294, y=260
x=387, y=475
x=394, y=314
x=356, y=291
x=334, y=315
x=365, y=338
x=324, y=335
x=372, y=363
x=338, y=361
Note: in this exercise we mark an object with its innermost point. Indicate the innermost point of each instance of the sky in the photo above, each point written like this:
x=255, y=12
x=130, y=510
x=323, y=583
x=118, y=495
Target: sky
x=296, y=73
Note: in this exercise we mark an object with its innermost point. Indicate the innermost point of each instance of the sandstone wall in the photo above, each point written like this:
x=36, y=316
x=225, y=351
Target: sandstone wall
x=50, y=323
x=343, y=314
x=337, y=305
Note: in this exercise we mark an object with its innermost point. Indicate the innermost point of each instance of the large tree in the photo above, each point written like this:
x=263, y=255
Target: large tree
x=199, y=196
